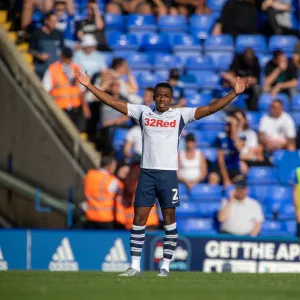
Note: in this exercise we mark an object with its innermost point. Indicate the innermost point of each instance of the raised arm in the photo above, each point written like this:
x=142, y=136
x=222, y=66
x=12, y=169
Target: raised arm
x=239, y=87
x=102, y=96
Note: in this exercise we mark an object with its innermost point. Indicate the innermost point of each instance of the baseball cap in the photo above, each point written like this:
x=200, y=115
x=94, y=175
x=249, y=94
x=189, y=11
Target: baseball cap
x=190, y=137
x=240, y=181
x=88, y=40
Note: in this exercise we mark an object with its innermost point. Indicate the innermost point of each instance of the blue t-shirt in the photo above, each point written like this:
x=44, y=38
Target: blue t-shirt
x=231, y=153
x=177, y=93
x=66, y=26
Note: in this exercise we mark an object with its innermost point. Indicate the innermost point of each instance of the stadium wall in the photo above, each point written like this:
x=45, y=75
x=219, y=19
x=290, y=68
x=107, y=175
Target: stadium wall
x=77, y=250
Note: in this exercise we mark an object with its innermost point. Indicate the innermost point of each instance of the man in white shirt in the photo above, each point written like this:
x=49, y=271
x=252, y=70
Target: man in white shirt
x=277, y=130
x=240, y=215
x=161, y=129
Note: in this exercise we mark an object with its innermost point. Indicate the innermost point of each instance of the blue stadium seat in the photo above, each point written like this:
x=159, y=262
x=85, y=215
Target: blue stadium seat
x=279, y=195
x=266, y=99
x=273, y=228
x=210, y=154
x=222, y=60
x=167, y=62
x=189, y=82
x=285, y=99
x=216, y=5
x=139, y=61
x=286, y=211
x=257, y=42
x=296, y=117
x=260, y=192
x=290, y=228
x=223, y=42
x=201, y=138
x=123, y=42
x=108, y=57
x=296, y=103
x=262, y=175
x=207, y=80
x=147, y=80
x=193, y=225
x=155, y=43
x=199, y=63
x=114, y=22
x=144, y=23
x=285, y=43
x=201, y=25
x=183, y=192
x=187, y=210
x=119, y=141
x=198, y=100
x=172, y=23
x=208, y=209
x=263, y=59
x=206, y=192
x=214, y=121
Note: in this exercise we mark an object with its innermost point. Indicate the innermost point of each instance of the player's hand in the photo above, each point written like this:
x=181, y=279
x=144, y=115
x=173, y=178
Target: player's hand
x=44, y=56
x=83, y=79
x=276, y=90
x=241, y=85
x=231, y=196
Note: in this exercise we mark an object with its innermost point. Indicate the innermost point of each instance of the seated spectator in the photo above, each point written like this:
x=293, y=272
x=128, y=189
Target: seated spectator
x=277, y=130
x=93, y=24
x=45, y=44
x=178, y=97
x=238, y=17
x=296, y=57
x=279, y=17
x=143, y=8
x=59, y=81
x=229, y=143
x=240, y=214
x=64, y=11
x=252, y=151
x=201, y=8
x=296, y=196
x=280, y=75
x=114, y=8
x=192, y=163
x=88, y=58
x=246, y=65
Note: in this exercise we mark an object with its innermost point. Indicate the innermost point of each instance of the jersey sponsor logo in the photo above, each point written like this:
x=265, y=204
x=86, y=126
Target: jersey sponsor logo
x=159, y=123
x=3, y=262
x=116, y=260
x=63, y=259
x=181, y=260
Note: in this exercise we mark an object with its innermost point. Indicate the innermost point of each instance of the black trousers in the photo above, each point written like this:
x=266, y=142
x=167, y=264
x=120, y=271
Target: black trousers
x=76, y=115
x=98, y=225
x=92, y=123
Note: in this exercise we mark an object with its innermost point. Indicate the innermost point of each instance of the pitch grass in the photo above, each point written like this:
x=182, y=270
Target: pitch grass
x=190, y=285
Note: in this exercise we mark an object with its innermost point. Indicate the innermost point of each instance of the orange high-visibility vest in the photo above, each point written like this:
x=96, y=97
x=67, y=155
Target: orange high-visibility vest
x=100, y=200
x=64, y=93
x=120, y=209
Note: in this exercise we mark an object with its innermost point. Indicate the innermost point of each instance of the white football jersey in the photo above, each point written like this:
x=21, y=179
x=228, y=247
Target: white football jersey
x=161, y=133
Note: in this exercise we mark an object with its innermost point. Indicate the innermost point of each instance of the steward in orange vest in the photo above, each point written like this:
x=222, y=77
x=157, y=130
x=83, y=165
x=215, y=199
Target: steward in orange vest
x=102, y=191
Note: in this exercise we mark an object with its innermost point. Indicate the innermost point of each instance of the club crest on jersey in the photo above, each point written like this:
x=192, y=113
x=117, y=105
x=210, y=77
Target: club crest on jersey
x=159, y=123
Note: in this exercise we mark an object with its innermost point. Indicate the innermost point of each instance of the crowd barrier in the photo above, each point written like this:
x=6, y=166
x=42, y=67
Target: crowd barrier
x=78, y=250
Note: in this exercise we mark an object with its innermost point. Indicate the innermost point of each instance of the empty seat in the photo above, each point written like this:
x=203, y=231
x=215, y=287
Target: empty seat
x=208, y=209
x=123, y=42
x=210, y=154
x=195, y=225
x=296, y=117
x=139, y=61
x=257, y=42
x=141, y=23
x=183, y=192
x=147, y=80
x=208, y=80
x=290, y=228
x=263, y=59
x=172, y=23
x=201, y=25
x=286, y=211
x=114, y=22
x=199, y=63
x=214, y=121
x=198, y=100
x=285, y=43
x=253, y=119
x=223, y=42
x=187, y=210
x=155, y=42
x=167, y=61
x=202, y=191
x=273, y=228
x=262, y=175
x=119, y=138
x=260, y=192
x=296, y=103
x=222, y=60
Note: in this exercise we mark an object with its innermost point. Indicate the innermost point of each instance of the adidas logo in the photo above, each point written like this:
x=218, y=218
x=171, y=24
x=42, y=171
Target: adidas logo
x=63, y=258
x=116, y=260
x=3, y=263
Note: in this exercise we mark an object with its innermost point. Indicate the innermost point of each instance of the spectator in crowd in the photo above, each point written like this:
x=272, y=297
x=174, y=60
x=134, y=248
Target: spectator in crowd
x=60, y=83
x=296, y=199
x=246, y=65
x=279, y=17
x=296, y=57
x=238, y=17
x=88, y=58
x=277, y=129
x=201, y=8
x=148, y=96
x=178, y=97
x=64, y=11
x=229, y=143
x=240, y=214
x=252, y=151
x=114, y=8
x=45, y=44
x=143, y=8
x=280, y=75
x=94, y=24
x=192, y=163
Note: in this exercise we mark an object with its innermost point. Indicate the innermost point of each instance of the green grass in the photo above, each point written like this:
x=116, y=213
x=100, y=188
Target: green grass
x=189, y=285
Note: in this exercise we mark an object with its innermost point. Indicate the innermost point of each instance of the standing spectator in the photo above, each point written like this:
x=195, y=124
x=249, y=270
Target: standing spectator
x=238, y=17
x=296, y=57
x=240, y=214
x=277, y=130
x=60, y=83
x=45, y=44
x=64, y=11
x=192, y=163
x=246, y=65
x=280, y=75
x=93, y=24
x=178, y=91
x=296, y=197
x=229, y=143
x=88, y=58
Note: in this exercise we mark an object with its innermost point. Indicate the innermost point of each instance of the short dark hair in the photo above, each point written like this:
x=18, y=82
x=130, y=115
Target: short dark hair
x=163, y=85
x=149, y=89
x=117, y=62
x=48, y=15
x=277, y=53
x=67, y=52
x=59, y=2
x=174, y=74
x=278, y=101
x=106, y=161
